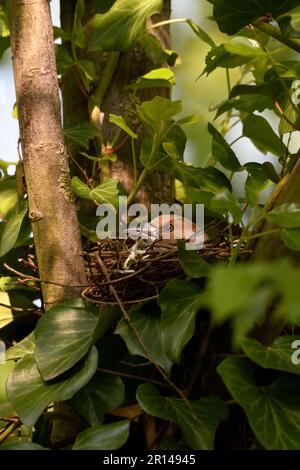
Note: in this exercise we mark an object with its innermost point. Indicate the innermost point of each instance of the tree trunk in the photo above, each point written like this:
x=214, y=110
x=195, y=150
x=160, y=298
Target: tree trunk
x=271, y=248
x=51, y=206
x=129, y=66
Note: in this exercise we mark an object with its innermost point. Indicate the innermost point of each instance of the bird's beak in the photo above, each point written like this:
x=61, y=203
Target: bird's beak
x=146, y=231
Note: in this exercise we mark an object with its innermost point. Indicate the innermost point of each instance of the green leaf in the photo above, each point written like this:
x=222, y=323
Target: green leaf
x=120, y=122
x=243, y=46
x=153, y=49
x=88, y=68
x=30, y=395
x=64, y=61
x=273, y=407
x=257, y=181
x=201, y=33
x=286, y=215
x=158, y=78
x=158, y=110
x=72, y=325
x=225, y=202
x=233, y=15
x=291, y=238
x=230, y=288
x=180, y=302
x=193, y=119
x=145, y=320
x=277, y=355
x=206, y=179
x=198, y=423
x=123, y=25
x=10, y=231
x=80, y=189
x=103, y=437
x=6, y=408
x=107, y=192
x=191, y=262
x=174, y=142
x=219, y=57
x=19, y=350
x=222, y=151
x=6, y=315
x=101, y=395
x=78, y=35
x=82, y=133
x=8, y=196
x=262, y=135
x=246, y=103
x=22, y=446
x=4, y=45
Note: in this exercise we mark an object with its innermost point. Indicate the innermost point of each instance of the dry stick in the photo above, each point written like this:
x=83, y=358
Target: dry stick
x=139, y=337
x=27, y=277
x=131, y=376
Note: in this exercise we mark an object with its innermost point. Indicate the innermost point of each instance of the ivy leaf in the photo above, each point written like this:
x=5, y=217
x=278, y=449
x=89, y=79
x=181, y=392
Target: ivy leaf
x=22, y=446
x=158, y=110
x=72, y=325
x=219, y=57
x=82, y=133
x=201, y=33
x=233, y=15
x=286, y=215
x=180, y=302
x=198, y=423
x=243, y=46
x=291, y=238
x=225, y=202
x=191, y=262
x=107, y=192
x=78, y=35
x=222, y=151
x=123, y=25
x=257, y=181
x=157, y=78
x=64, y=61
x=103, y=437
x=277, y=355
x=120, y=122
x=10, y=230
x=30, y=395
x=147, y=323
x=262, y=135
x=6, y=408
x=246, y=103
x=275, y=406
x=101, y=395
x=88, y=69
x=80, y=189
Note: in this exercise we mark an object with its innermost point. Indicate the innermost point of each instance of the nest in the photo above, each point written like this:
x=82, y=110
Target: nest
x=139, y=274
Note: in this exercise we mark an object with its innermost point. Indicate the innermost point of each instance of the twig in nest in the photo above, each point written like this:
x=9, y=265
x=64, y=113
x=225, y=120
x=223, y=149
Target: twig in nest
x=140, y=338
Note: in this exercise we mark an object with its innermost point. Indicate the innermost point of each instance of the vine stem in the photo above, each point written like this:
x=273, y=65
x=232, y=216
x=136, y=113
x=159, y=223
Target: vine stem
x=139, y=337
x=275, y=33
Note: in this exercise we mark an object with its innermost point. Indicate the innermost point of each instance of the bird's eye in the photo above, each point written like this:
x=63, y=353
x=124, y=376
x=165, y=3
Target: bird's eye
x=168, y=228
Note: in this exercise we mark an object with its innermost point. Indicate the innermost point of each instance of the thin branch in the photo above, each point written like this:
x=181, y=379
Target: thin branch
x=139, y=337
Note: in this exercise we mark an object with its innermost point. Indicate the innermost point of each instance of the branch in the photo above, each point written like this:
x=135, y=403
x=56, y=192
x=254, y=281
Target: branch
x=276, y=34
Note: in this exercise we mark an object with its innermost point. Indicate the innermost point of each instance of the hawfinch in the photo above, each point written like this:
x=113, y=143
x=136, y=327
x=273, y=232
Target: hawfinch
x=170, y=227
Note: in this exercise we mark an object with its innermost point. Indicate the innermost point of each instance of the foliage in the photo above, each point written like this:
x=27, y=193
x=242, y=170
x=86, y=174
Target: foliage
x=101, y=361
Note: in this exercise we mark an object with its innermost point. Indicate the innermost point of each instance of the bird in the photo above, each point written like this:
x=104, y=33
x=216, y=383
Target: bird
x=163, y=231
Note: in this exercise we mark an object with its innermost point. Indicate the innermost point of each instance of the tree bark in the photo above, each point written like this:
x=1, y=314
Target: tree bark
x=271, y=248
x=51, y=206
x=158, y=186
